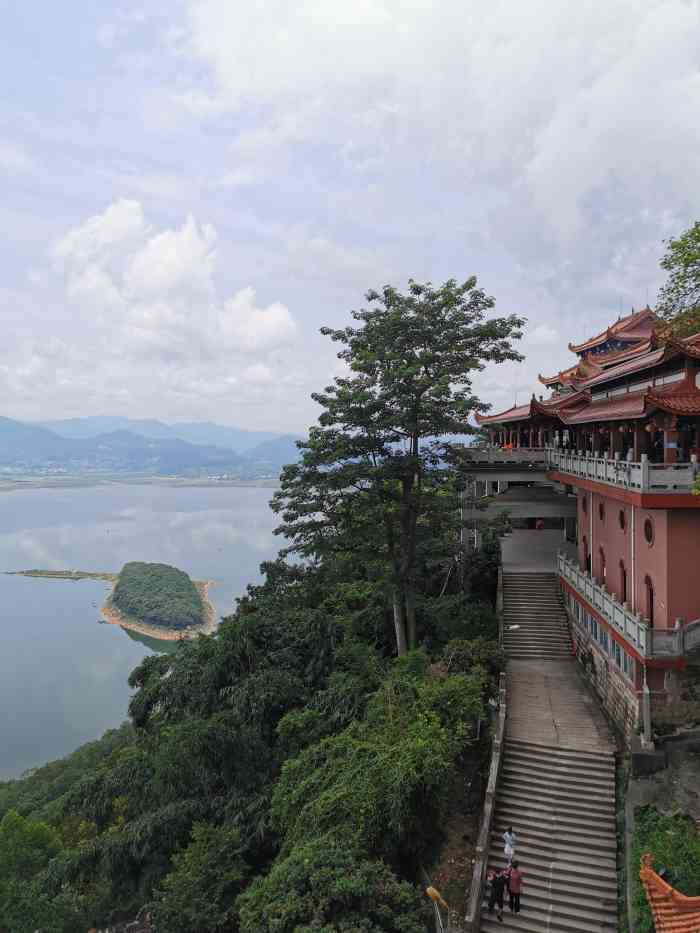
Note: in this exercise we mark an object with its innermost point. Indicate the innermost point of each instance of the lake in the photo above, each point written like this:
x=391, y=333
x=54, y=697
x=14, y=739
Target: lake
x=63, y=676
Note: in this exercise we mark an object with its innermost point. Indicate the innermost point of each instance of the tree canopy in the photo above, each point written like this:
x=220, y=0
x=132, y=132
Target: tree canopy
x=679, y=298
x=159, y=595
x=368, y=478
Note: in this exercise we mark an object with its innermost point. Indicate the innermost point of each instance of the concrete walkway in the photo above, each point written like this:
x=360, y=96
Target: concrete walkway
x=557, y=785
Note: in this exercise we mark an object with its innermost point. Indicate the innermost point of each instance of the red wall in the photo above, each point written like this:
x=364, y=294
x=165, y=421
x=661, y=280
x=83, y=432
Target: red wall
x=684, y=564
x=670, y=597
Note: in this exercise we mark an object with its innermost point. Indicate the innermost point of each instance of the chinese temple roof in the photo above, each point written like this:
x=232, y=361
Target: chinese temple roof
x=574, y=405
x=672, y=911
x=636, y=326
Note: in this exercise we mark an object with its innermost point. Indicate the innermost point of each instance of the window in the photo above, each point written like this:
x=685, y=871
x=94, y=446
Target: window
x=617, y=654
x=623, y=582
x=622, y=520
x=649, y=590
x=649, y=531
x=601, y=512
x=584, y=504
x=601, y=564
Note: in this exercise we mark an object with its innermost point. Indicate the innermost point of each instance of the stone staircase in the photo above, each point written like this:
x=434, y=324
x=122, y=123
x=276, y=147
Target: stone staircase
x=534, y=620
x=557, y=783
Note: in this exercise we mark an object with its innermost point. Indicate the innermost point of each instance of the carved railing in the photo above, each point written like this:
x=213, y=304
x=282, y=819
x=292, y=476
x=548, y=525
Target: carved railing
x=472, y=921
x=649, y=642
x=640, y=476
x=497, y=455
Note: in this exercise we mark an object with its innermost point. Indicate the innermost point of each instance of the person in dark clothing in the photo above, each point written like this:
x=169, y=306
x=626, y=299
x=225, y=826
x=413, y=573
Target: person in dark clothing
x=515, y=885
x=498, y=885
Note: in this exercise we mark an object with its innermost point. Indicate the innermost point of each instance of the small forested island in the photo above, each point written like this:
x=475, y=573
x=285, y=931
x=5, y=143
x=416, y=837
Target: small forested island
x=160, y=599
x=154, y=599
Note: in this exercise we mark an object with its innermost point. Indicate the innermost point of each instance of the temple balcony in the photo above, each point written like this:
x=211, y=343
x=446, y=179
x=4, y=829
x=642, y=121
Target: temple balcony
x=649, y=642
x=639, y=476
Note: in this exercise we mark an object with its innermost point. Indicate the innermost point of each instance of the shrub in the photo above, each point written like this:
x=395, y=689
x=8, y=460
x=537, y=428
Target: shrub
x=327, y=888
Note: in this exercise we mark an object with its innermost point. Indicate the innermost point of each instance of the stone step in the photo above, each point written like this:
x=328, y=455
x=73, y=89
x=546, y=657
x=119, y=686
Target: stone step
x=583, y=776
x=560, y=752
x=543, y=832
x=566, y=869
x=548, y=923
x=536, y=907
x=514, y=798
x=575, y=892
x=536, y=812
x=552, y=794
x=533, y=852
x=557, y=778
x=602, y=887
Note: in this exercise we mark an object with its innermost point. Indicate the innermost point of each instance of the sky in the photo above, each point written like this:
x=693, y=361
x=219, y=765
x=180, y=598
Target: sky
x=190, y=189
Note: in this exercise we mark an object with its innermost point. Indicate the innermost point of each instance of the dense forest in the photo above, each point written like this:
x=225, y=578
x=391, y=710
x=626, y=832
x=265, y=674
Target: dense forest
x=294, y=771
x=158, y=594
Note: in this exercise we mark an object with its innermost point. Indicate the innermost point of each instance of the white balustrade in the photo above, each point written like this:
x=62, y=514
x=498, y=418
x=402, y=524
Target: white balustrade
x=641, y=476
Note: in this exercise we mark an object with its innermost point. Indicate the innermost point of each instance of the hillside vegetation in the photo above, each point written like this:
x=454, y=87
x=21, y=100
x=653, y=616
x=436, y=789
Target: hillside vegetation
x=294, y=771
x=158, y=594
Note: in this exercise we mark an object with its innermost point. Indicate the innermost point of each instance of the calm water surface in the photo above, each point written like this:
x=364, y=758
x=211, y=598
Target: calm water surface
x=63, y=677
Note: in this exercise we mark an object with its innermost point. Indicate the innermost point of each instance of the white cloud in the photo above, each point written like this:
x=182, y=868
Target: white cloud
x=250, y=328
x=181, y=259
x=543, y=334
x=553, y=101
x=121, y=223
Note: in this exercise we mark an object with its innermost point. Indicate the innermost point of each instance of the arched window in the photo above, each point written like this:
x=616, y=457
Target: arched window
x=623, y=582
x=601, y=564
x=649, y=589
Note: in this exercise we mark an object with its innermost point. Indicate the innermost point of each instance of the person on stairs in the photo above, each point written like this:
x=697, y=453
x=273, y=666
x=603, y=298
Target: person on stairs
x=515, y=886
x=509, y=840
x=498, y=886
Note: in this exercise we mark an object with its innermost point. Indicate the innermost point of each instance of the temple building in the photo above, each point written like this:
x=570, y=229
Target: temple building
x=620, y=430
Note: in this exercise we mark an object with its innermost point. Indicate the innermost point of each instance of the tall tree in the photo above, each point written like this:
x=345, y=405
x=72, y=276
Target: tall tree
x=679, y=299
x=369, y=473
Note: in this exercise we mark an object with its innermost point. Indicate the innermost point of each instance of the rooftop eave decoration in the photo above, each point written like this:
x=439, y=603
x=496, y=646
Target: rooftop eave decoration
x=620, y=330
x=672, y=911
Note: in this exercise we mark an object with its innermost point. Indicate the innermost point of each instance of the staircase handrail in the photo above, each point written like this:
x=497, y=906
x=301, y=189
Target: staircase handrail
x=472, y=921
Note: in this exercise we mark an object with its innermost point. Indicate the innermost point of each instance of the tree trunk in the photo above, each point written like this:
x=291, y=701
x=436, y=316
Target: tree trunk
x=411, y=619
x=399, y=622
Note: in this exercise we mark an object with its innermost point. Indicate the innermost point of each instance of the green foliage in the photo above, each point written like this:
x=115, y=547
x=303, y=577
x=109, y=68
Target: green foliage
x=326, y=888
x=41, y=790
x=463, y=655
x=674, y=844
x=679, y=299
x=159, y=595
x=201, y=890
x=344, y=788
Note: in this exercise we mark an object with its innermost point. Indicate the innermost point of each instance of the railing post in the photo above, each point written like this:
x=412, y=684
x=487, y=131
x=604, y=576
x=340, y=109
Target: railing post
x=645, y=472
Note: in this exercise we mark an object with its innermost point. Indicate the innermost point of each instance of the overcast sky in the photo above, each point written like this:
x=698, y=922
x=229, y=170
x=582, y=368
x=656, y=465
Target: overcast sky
x=190, y=189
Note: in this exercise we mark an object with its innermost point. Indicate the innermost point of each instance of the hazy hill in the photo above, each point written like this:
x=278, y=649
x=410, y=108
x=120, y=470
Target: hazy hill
x=205, y=432
x=30, y=447
x=277, y=452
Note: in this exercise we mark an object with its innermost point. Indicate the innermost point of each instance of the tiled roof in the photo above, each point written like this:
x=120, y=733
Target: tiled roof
x=631, y=366
x=511, y=414
x=679, y=400
x=635, y=326
x=631, y=405
x=672, y=911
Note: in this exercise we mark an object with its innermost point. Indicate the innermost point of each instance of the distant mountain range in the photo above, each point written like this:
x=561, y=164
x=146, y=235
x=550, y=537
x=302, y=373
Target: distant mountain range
x=120, y=445
x=194, y=432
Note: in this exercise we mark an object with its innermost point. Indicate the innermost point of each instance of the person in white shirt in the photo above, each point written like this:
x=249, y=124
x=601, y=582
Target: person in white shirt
x=509, y=840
